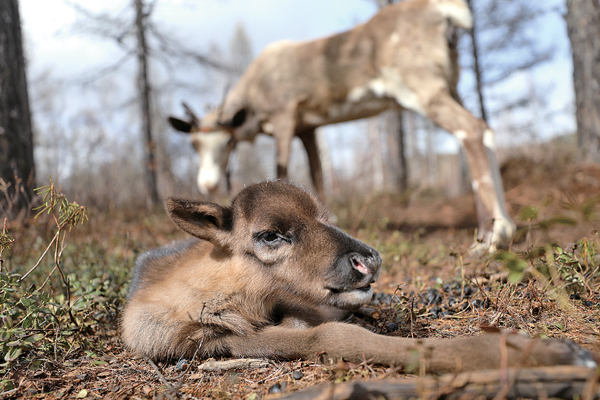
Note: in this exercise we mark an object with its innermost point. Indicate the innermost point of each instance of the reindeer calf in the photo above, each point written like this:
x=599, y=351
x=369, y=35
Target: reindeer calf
x=268, y=276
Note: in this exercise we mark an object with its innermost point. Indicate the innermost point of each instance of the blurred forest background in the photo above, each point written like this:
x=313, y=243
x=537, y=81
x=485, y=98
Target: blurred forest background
x=99, y=126
x=85, y=91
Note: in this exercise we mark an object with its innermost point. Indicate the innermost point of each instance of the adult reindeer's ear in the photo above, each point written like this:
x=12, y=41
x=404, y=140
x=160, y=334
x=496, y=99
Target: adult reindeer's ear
x=181, y=126
x=192, y=125
x=238, y=119
x=201, y=219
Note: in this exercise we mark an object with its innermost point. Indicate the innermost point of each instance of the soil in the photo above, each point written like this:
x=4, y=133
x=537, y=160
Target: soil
x=419, y=296
x=556, y=190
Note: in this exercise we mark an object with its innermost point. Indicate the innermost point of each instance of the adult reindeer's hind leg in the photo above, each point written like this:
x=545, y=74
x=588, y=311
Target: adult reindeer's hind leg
x=477, y=139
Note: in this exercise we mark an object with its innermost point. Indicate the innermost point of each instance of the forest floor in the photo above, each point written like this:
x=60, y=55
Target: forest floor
x=59, y=344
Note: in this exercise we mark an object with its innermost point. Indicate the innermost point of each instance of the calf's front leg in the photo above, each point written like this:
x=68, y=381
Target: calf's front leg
x=355, y=344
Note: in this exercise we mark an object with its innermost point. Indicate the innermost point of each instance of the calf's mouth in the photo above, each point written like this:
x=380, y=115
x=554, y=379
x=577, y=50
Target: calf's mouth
x=333, y=290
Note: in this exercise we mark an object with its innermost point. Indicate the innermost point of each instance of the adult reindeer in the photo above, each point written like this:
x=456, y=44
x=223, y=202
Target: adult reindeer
x=405, y=56
x=270, y=276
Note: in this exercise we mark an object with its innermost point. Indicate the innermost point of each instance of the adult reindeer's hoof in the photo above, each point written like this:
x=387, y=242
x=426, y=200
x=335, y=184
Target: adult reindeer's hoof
x=499, y=237
x=480, y=249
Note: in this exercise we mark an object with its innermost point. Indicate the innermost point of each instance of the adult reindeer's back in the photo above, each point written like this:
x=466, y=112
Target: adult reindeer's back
x=268, y=276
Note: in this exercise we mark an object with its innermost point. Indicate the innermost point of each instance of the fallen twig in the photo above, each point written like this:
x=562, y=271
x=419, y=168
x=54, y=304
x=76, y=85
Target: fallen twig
x=565, y=382
x=241, y=363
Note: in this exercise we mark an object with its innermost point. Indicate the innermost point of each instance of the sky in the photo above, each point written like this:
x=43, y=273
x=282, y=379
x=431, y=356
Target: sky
x=51, y=43
x=60, y=56
x=55, y=48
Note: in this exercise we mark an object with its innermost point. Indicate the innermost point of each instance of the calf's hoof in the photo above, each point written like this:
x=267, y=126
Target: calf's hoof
x=548, y=352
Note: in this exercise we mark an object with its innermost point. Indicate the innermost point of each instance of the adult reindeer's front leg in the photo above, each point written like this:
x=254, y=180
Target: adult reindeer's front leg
x=477, y=139
x=309, y=139
x=284, y=126
x=355, y=344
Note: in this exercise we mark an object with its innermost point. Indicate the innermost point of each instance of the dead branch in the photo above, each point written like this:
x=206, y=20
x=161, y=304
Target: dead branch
x=242, y=363
x=564, y=382
x=501, y=277
x=368, y=312
x=171, y=390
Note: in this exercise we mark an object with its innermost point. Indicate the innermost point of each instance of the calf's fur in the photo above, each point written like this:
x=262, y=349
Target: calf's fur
x=269, y=276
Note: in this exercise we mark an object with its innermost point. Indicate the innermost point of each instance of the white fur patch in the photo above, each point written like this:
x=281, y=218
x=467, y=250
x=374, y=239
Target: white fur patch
x=276, y=46
x=268, y=128
x=311, y=118
x=213, y=150
x=357, y=93
x=457, y=11
x=587, y=363
x=488, y=139
x=389, y=84
x=356, y=297
x=208, y=178
x=460, y=135
x=487, y=178
x=503, y=230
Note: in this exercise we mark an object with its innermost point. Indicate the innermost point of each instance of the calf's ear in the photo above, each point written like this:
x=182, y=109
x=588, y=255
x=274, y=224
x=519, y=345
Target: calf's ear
x=204, y=220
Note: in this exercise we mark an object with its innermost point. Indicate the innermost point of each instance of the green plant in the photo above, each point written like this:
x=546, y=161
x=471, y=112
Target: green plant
x=571, y=268
x=34, y=321
x=574, y=266
x=536, y=221
x=5, y=241
x=516, y=266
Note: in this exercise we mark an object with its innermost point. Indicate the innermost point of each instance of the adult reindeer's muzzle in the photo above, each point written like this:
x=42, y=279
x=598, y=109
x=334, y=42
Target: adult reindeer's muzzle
x=214, y=144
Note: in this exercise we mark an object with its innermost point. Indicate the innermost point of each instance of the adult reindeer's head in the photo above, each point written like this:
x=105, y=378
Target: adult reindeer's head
x=214, y=141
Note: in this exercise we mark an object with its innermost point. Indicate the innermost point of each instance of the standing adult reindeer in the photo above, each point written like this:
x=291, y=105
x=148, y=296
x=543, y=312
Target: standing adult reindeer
x=404, y=57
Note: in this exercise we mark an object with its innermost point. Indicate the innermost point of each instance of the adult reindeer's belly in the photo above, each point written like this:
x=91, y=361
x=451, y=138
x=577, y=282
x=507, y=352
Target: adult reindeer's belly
x=346, y=111
x=388, y=90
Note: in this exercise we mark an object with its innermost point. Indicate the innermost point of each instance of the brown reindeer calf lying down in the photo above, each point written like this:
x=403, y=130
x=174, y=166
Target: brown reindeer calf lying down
x=268, y=276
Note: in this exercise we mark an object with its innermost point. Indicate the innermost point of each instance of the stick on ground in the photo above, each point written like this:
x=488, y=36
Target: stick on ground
x=564, y=382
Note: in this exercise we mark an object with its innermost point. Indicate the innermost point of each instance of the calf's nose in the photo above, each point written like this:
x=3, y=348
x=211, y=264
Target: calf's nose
x=366, y=264
x=359, y=266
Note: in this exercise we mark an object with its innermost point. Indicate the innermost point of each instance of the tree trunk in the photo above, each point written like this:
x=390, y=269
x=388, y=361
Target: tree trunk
x=144, y=93
x=583, y=27
x=16, y=137
x=402, y=176
x=563, y=382
x=403, y=173
x=477, y=68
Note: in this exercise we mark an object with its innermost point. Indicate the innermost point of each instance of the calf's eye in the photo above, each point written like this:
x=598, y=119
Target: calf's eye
x=270, y=237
